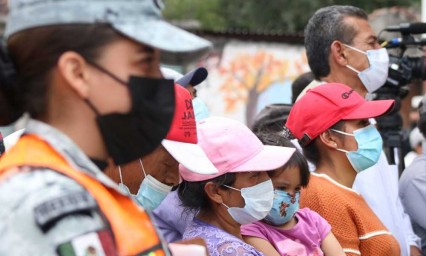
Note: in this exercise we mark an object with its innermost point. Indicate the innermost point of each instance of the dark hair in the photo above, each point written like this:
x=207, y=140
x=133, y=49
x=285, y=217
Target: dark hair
x=324, y=27
x=421, y=123
x=35, y=53
x=271, y=118
x=297, y=160
x=2, y=148
x=300, y=83
x=311, y=151
x=9, y=106
x=194, y=197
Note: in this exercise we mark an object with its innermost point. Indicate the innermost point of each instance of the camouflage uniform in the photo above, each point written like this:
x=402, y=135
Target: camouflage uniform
x=36, y=194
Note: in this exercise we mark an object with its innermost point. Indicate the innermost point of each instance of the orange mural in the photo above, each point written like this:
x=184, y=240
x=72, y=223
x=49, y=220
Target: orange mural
x=246, y=76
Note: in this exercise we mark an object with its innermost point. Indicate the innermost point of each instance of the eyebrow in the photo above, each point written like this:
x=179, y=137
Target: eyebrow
x=372, y=37
x=283, y=183
x=145, y=48
x=143, y=53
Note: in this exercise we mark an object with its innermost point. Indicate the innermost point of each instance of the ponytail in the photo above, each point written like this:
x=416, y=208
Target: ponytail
x=10, y=107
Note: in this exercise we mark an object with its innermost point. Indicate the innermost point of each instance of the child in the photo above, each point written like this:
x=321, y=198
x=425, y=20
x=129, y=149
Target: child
x=288, y=230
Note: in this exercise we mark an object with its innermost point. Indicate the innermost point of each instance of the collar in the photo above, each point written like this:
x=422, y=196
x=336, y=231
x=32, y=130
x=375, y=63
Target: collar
x=325, y=176
x=69, y=150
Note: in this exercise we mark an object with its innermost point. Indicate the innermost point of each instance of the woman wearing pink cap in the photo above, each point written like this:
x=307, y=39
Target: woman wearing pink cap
x=240, y=193
x=331, y=123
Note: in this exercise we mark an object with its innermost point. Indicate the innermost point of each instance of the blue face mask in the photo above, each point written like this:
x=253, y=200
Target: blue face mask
x=283, y=209
x=369, y=148
x=151, y=191
x=200, y=109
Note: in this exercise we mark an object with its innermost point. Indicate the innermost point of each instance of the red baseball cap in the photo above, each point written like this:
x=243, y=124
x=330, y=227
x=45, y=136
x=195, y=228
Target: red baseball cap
x=325, y=105
x=181, y=141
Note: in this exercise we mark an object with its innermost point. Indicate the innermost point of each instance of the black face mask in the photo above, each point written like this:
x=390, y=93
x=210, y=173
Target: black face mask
x=135, y=134
x=102, y=165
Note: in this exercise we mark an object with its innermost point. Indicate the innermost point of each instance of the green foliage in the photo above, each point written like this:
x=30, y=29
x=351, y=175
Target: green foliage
x=207, y=12
x=284, y=16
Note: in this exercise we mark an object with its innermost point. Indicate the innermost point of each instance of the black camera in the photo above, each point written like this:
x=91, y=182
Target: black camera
x=403, y=70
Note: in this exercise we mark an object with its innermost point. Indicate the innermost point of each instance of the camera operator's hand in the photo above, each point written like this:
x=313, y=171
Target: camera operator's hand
x=414, y=251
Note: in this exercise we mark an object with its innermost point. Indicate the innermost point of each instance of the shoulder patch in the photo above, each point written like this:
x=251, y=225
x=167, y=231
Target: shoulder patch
x=51, y=211
x=90, y=244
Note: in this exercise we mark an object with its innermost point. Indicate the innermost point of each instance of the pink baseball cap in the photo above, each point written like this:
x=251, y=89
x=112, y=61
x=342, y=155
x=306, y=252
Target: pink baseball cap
x=325, y=105
x=181, y=140
x=232, y=147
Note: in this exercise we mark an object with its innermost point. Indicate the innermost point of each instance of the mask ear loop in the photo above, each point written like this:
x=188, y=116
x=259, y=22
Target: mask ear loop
x=231, y=187
x=344, y=133
x=92, y=106
x=353, y=69
x=143, y=169
x=227, y=207
x=121, y=177
x=105, y=71
x=357, y=50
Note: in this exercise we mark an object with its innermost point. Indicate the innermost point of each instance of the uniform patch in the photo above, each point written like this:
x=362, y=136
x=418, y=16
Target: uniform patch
x=99, y=243
x=49, y=212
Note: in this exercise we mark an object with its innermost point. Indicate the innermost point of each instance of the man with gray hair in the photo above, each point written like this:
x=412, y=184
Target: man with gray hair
x=342, y=47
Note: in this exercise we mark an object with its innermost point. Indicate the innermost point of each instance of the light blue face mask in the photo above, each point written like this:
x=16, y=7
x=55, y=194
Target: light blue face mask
x=283, y=209
x=200, y=109
x=369, y=148
x=151, y=191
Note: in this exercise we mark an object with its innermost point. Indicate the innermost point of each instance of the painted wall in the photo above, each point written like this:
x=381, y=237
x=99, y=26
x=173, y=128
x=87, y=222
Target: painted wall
x=246, y=76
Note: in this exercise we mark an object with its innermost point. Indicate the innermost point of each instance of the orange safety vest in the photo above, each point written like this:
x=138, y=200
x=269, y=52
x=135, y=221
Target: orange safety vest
x=133, y=230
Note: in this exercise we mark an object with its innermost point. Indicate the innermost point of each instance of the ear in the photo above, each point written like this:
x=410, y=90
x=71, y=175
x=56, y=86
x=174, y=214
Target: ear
x=214, y=192
x=328, y=139
x=338, y=53
x=74, y=70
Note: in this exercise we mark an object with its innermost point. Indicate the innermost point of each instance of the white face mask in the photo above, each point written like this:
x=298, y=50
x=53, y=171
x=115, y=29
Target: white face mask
x=374, y=76
x=258, y=199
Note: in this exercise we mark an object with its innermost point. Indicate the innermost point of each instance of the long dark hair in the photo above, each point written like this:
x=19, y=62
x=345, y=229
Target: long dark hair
x=34, y=53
